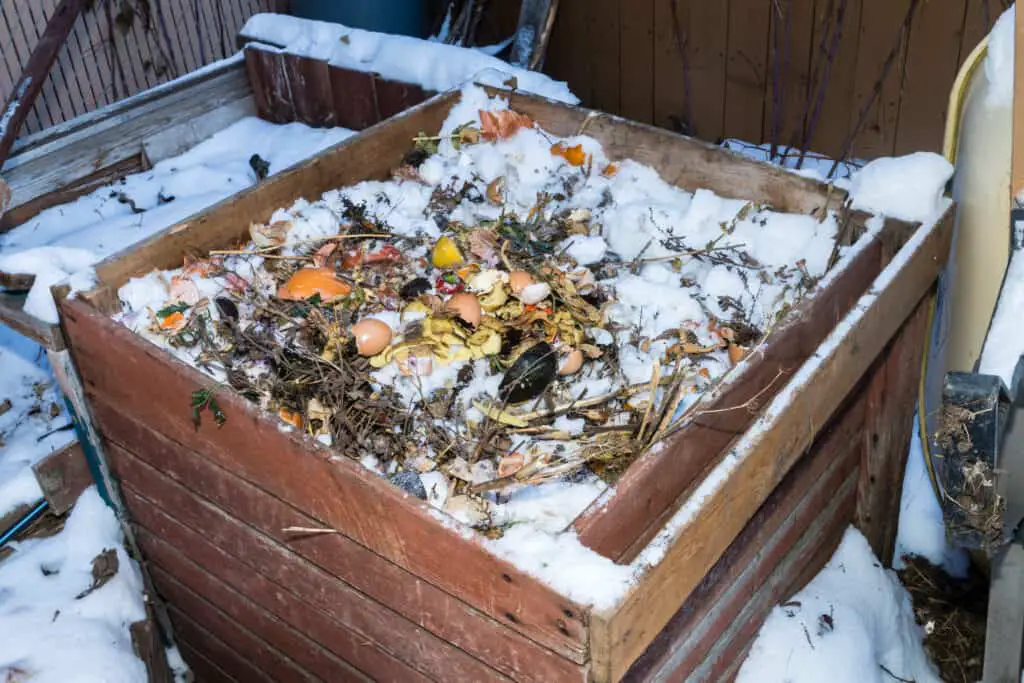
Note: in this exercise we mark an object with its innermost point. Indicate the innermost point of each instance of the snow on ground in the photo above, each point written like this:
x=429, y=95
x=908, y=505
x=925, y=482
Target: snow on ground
x=56, y=626
x=853, y=623
x=430, y=64
x=66, y=240
x=31, y=406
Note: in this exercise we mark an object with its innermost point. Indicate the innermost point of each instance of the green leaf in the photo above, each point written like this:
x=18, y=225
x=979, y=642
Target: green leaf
x=172, y=309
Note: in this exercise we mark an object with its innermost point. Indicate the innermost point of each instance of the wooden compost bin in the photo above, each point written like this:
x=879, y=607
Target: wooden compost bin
x=810, y=432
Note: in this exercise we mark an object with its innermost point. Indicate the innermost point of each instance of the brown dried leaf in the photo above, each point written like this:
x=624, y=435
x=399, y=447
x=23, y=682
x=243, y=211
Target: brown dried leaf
x=503, y=124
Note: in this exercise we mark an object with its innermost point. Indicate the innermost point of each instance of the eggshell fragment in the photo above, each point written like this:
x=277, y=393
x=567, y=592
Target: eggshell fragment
x=466, y=306
x=519, y=280
x=571, y=363
x=535, y=293
x=372, y=336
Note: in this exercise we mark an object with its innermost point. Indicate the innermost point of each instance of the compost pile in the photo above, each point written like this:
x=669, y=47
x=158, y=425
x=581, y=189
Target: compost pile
x=511, y=317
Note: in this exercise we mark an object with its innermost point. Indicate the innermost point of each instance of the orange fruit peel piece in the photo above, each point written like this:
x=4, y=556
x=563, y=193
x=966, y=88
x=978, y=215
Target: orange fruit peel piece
x=309, y=282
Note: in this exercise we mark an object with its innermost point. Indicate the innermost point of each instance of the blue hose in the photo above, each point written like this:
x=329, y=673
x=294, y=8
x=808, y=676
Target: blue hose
x=30, y=517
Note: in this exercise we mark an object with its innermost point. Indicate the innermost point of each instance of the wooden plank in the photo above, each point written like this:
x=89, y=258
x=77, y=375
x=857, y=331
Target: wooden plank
x=636, y=61
x=176, y=589
x=623, y=520
x=394, y=97
x=297, y=469
x=13, y=316
x=26, y=89
x=536, y=18
x=63, y=475
x=175, y=140
x=346, y=621
x=418, y=601
x=979, y=15
x=202, y=668
x=881, y=28
x=931, y=66
x=707, y=42
x=274, y=101
x=891, y=408
x=271, y=662
x=670, y=101
x=54, y=163
x=150, y=649
x=746, y=69
x=790, y=39
x=766, y=453
x=309, y=628
x=755, y=553
x=232, y=651
x=837, y=107
x=603, y=38
x=310, y=87
x=354, y=97
x=71, y=191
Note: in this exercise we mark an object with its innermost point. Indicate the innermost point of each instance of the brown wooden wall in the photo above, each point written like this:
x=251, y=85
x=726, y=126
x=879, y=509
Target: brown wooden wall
x=117, y=49
x=751, y=68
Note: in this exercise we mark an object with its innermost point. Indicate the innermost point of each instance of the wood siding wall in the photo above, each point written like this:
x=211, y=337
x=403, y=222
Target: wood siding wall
x=117, y=49
x=751, y=68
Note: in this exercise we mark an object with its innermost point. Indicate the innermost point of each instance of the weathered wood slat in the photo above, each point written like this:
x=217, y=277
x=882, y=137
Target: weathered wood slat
x=765, y=455
x=623, y=520
x=230, y=651
x=296, y=469
x=161, y=538
x=273, y=664
x=355, y=617
x=202, y=668
x=355, y=100
x=63, y=475
x=752, y=557
x=422, y=603
x=12, y=315
x=304, y=652
x=891, y=406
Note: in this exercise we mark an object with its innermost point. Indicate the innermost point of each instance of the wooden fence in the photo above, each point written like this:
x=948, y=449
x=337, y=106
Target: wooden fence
x=785, y=71
x=117, y=48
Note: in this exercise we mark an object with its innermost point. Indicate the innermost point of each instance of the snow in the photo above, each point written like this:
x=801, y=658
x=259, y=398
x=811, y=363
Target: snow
x=35, y=408
x=999, y=61
x=909, y=187
x=43, y=611
x=430, y=64
x=852, y=620
x=67, y=240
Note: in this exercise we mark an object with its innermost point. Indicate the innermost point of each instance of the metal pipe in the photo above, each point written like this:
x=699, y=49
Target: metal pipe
x=20, y=525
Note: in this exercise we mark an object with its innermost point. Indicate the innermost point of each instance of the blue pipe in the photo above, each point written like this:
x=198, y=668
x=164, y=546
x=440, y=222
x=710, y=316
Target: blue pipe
x=30, y=517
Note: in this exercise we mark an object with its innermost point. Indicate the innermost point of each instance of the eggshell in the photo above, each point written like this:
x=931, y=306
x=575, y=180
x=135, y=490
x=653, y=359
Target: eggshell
x=372, y=336
x=535, y=293
x=518, y=280
x=571, y=363
x=466, y=306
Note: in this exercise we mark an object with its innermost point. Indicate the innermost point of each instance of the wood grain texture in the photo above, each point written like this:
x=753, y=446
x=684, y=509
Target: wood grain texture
x=622, y=521
x=202, y=668
x=13, y=315
x=750, y=560
x=310, y=87
x=354, y=97
x=338, y=491
x=929, y=71
x=707, y=44
x=63, y=475
x=891, y=407
x=836, y=106
x=189, y=588
x=636, y=63
x=790, y=41
x=372, y=637
x=746, y=69
x=229, y=651
x=421, y=603
x=762, y=460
